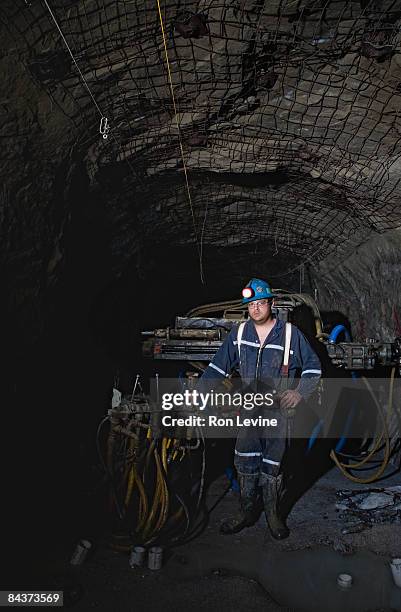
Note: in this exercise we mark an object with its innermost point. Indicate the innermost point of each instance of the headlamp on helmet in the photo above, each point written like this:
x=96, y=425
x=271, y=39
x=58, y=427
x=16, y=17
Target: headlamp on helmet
x=256, y=289
x=247, y=292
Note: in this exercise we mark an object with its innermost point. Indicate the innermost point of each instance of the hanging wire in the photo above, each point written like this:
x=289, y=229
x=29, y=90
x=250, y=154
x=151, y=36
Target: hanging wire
x=297, y=109
x=104, y=127
x=180, y=143
x=73, y=58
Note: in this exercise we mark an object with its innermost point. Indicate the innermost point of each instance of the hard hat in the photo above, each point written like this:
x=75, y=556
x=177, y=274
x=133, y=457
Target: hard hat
x=256, y=289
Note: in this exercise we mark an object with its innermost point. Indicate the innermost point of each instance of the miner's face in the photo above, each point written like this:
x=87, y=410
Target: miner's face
x=260, y=310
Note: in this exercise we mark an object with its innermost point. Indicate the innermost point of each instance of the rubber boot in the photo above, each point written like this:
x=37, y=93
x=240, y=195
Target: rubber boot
x=271, y=488
x=250, y=505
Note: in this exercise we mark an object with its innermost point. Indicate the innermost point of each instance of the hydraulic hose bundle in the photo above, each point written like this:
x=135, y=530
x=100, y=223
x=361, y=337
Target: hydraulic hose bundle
x=156, y=483
x=381, y=443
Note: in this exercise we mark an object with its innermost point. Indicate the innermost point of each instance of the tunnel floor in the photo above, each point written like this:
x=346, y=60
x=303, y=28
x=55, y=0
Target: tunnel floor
x=250, y=571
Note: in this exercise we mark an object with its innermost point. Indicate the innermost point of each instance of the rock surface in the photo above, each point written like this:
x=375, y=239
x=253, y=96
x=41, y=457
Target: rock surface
x=281, y=145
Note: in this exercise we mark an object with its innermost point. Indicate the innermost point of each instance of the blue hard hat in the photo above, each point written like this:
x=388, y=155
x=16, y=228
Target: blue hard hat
x=256, y=289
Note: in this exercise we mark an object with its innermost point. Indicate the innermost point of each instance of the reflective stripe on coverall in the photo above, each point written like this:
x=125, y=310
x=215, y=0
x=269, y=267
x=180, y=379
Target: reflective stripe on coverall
x=260, y=370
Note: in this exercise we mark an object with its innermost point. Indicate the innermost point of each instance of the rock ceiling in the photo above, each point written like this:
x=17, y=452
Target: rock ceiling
x=283, y=137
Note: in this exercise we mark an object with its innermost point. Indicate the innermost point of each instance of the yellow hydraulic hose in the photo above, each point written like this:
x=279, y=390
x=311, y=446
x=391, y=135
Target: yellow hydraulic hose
x=143, y=508
x=165, y=504
x=130, y=486
x=206, y=308
x=130, y=472
x=378, y=439
x=344, y=467
x=369, y=479
x=164, y=452
x=153, y=510
x=133, y=479
x=143, y=503
x=159, y=496
x=309, y=301
x=149, y=454
x=163, y=490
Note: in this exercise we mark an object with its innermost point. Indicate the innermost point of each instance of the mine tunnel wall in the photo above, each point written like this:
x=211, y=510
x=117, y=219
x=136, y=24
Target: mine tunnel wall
x=366, y=288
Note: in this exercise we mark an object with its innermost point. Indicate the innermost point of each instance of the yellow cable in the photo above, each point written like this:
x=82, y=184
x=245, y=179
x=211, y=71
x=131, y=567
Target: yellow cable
x=160, y=499
x=165, y=445
x=180, y=141
x=165, y=501
x=130, y=473
x=164, y=453
x=155, y=503
x=367, y=480
x=143, y=503
x=149, y=454
x=344, y=467
x=130, y=486
x=163, y=489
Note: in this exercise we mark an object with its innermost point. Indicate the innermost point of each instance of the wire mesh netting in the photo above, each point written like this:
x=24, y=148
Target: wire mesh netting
x=283, y=116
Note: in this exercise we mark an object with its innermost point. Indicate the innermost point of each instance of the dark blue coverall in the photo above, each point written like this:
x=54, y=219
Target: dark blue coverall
x=260, y=369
